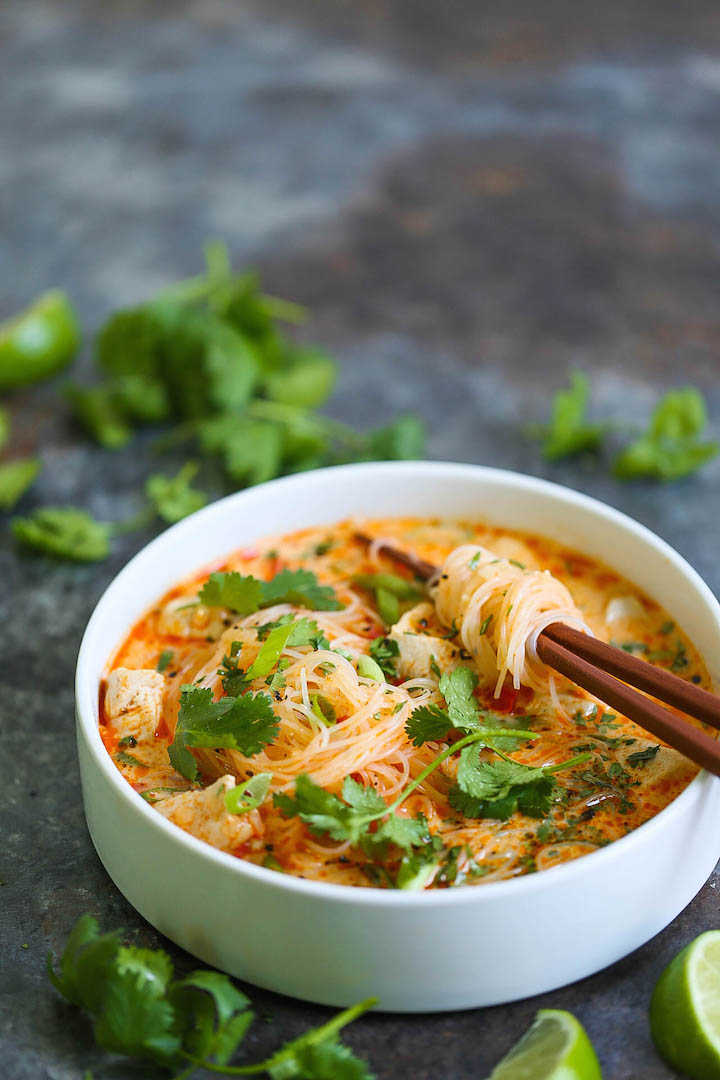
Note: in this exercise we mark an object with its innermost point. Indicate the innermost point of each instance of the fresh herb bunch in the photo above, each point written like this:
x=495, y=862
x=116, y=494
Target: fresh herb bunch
x=211, y=356
x=140, y=1009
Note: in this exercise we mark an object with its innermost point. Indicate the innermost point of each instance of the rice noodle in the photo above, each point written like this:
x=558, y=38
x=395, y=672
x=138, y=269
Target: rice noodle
x=500, y=608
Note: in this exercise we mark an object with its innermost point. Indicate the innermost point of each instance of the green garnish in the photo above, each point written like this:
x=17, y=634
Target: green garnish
x=123, y=758
x=389, y=590
x=63, y=533
x=369, y=669
x=142, y=1011
x=323, y=709
x=496, y=789
x=245, y=594
x=16, y=477
x=172, y=497
x=671, y=448
x=246, y=723
x=641, y=757
x=249, y=795
x=164, y=660
x=384, y=652
x=568, y=432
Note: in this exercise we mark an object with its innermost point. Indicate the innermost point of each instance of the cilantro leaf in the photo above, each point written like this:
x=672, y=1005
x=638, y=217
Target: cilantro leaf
x=85, y=962
x=212, y=1012
x=173, y=498
x=402, y=440
x=239, y=593
x=251, y=450
x=323, y=812
x=317, y=1055
x=246, y=595
x=497, y=788
x=95, y=409
x=137, y=1019
x=15, y=479
x=384, y=651
x=641, y=757
x=568, y=432
x=246, y=724
x=326, y=1061
x=301, y=588
x=63, y=533
x=429, y=723
x=671, y=447
x=457, y=688
x=306, y=380
x=4, y=426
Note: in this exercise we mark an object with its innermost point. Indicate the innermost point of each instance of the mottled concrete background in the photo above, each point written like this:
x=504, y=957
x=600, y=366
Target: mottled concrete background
x=472, y=202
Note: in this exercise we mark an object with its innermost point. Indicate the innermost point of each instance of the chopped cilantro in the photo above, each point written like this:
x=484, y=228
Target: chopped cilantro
x=245, y=723
x=173, y=498
x=484, y=627
x=568, y=432
x=384, y=651
x=641, y=757
x=245, y=595
x=63, y=533
x=123, y=758
x=164, y=660
x=16, y=477
x=671, y=448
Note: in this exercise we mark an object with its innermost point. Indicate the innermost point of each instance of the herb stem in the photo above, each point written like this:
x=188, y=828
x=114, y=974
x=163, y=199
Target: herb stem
x=322, y=1034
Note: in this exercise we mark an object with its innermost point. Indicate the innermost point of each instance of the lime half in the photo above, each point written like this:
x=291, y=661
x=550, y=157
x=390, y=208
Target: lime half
x=38, y=342
x=556, y=1047
x=685, y=1009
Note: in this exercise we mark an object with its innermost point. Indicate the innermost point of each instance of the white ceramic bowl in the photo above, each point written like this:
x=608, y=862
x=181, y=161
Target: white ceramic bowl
x=449, y=949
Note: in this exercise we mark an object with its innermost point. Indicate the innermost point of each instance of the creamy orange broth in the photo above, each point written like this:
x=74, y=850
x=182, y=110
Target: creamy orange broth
x=602, y=800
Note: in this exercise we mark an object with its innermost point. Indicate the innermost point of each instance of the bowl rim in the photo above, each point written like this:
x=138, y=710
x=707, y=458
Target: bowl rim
x=86, y=695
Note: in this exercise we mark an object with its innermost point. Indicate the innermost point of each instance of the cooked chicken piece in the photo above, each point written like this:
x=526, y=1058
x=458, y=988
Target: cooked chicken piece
x=183, y=618
x=418, y=648
x=133, y=702
x=203, y=814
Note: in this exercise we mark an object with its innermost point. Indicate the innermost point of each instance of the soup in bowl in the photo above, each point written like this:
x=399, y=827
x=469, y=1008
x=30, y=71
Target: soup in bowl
x=300, y=762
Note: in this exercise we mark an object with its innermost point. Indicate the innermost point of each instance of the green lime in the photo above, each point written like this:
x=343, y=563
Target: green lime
x=685, y=1009
x=556, y=1047
x=39, y=341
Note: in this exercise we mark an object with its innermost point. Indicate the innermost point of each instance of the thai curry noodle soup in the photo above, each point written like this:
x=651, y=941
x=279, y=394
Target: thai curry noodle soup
x=313, y=708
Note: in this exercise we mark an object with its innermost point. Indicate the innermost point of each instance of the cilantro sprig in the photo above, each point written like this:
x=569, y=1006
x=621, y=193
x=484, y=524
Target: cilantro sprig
x=245, y=723
x=245, y=595
x=568, y=432
x=140, y=1009
x=64, y=532
x=672, y=447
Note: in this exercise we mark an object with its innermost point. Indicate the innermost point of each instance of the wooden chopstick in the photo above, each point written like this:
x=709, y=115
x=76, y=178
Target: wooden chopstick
x=659, y=682
x=674, y=730
x=605, y=671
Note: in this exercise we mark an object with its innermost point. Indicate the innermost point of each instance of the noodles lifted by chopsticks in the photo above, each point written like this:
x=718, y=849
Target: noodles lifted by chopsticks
x=499, y=608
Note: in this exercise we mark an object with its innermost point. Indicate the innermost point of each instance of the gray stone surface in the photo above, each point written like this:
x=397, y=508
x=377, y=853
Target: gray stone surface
x=472, y=204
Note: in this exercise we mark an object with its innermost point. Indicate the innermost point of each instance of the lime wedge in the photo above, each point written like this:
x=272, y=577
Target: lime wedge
x=685, y=1009
x=556, y=1047
x=39, y=341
